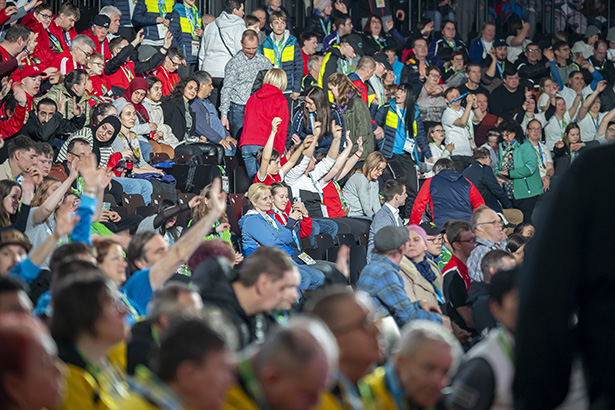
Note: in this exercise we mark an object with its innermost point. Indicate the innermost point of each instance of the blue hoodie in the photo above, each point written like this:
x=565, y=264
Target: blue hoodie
x=257, y=231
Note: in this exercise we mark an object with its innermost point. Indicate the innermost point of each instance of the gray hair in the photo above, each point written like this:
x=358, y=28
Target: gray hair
x=165, y=300
x=312, y=60
x=110, y=11
x=418, y=332
x=82, y=40
x=202, y=76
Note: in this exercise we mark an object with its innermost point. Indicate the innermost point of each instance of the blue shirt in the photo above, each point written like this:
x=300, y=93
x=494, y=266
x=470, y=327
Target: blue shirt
x=381, y=279
x=139, y=290
x=25, y=270
x=400, y=135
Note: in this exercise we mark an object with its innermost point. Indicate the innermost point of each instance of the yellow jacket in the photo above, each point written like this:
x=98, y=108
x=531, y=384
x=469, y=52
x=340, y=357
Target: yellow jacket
x=382, y=398
x=237, y=399
x=84, y=393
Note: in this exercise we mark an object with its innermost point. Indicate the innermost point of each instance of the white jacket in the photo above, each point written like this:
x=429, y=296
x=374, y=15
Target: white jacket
x=154, y=109
x=213, y=55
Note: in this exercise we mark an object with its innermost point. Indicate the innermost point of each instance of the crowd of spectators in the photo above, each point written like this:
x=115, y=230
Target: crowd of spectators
x=229, y=212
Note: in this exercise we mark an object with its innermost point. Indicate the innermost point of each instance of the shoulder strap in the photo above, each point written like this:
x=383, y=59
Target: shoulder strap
x=223, y=42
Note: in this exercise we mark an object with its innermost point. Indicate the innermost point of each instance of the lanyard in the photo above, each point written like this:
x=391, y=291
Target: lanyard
x=501, y=68
x=505, y=345
x=166, y=74
x=55, y=41
x=453, y=45
x=253, y=385
x=127, y=144
x=67, y=38
x=271, y=222
x=345, y=67
x=162, y=8
x=595, y=122
x=105, y=376
x=394, y=387
x=193, y=20
x=562, y=125
x=350, y=394
x=326, y=30
x=285, y=221
x=540, y=156
x=316, y=187
x=170, y=238
x=127, y=72
x=345, y=207
x=381, y=45
x=401, y=117
x=277, y=51
x=128, y=306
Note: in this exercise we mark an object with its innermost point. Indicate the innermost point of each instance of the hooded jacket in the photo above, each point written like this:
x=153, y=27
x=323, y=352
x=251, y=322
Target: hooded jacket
x=224, y=32
x=289, y=58
x=450, y=196
x=262, y=107
x=257, y=231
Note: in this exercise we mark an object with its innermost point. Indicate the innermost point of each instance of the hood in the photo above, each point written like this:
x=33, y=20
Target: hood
x=268, y=91
x=250, y=214
x=214, y=278
x=450, y=175
x=284, y=37
x=225, y=20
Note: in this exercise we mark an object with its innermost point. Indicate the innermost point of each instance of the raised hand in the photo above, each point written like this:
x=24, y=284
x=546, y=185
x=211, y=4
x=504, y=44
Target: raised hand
x=138, y=38
x=601, y=86
x=168, y=39
x=275, y=123
x=77, y=108
x=217, y=198
x=196, y=200
x=65, y=221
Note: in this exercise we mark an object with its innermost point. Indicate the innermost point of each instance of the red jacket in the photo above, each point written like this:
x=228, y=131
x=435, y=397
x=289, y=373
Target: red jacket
x=305, y=224
x=13, y=125
x=57, y=37
x=43, y=47
x=65, y=62
x=460, y=267
x=123, y=76
x=169, y=80
x=101, y=48
x=262, y=107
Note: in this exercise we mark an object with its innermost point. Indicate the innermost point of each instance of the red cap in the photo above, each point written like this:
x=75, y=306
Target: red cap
x=31, y=71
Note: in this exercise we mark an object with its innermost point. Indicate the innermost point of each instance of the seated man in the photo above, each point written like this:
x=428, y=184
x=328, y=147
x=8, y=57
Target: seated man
x=382, y=281
x=289, y=371
x=450, y=195
x=394, y=193
x=22, y=159
x=192, y=368
x=490, y=234
x=46, y=124
x=262, y=283
x=402, y=381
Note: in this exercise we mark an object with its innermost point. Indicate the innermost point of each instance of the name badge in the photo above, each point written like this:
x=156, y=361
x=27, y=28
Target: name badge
x=162, y=31
x=409, y=146
x=195, y=48
x=307, y=259
x=225, y=184
x=380, y=4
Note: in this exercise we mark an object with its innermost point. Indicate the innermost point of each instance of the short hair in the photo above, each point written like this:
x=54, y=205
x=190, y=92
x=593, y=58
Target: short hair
x=202, y=76
x=418, y=39
x=447, y=21
x=187, y=339
x=165, y=300
x=20, y=143
x=44, y=148
x=391, y=188
x=558, y=45
x=74, y=77
x=69, y=9
x=110, y=11
x=8, y=284
x=249, y=35
x=230, y=5
x=277, y=15
x=509, y=71
x=16, y=32
x=477, y=213
x=416, y=333
x=213, y=248
x=442, y=164
x=74, y=267
x=176, y=52
x=75, y=141
x=502, y=283
x=600, y=42
x=341, y=20
x=277, y=78
x=82, y=40
x=68, y=252
x=77, y=304
x=481, y=153
x=273, y=262
x=366, y=63
x=431, y=68
x=41, y=7
x=95, y=57
x=454, y=228
x=323, y=304
x=46, y=101
x=312, y=60
x=115, y=43
x=136, y=248
x=275, y=155
x=448, y=91
x=493, y=259
x=152, y=81
x=305, y=36
x=515, y=25
x=470, y=65
x=251, y=20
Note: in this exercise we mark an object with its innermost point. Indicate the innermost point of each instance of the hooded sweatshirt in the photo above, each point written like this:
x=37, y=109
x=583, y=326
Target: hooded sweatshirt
x=221, y=40
x=258, y=230
x=262, y=107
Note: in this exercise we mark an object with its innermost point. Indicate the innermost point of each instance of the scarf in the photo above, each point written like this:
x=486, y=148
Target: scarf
x=425, y=270
x=137, y=84
x=97, y=145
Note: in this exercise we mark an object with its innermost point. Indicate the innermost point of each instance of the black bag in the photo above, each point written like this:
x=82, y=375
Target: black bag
x=201, y=148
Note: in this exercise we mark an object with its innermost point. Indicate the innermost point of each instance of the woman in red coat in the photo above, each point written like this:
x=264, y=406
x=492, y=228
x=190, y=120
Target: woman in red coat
x=267, y=103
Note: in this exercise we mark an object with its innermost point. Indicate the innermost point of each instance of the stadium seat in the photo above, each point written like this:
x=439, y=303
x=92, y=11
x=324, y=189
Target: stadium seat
x=131, y=202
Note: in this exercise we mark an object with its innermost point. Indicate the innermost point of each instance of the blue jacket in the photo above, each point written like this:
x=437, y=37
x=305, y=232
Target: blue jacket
x=183, y=23
x=390, y=131
x=122, y=5
x=207, y=122
x=298, y=127
x=484, y=180
x=476, y=50
x=145, y=14
x=290, y=59
x=256, y=231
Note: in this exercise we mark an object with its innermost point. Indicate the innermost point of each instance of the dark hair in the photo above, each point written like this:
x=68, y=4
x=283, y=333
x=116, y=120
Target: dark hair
x=16, y=32
x=341, y=20
x=519, y=228
x=43, y=148
x=278, y=185
x=305, y=36
x=454, y=228
x=447, y=21
x=514, y=127
x=173, y=231
x=515, y=241
x=367, y=30
x=323, y=111
x=273, y=262
x=69, y=9
x=230, y=5
x=391, y=188
x=515, y=25
x=136, y=248
x=74, y=77
x=176, y=52
x=481, y=153
x=20, y=143
x=152, y=81
x=165, y=299
x=502, y=283
x=250, y=20
x=249, y=34
x=509, y=71
x=115, y=43
x=409, y=105
x=599, y=42
x=75, y=141
x=6, y=186
x=11, y=285
x=275, y=155
x=202, y=77
x=178, y=92
x=100, y=110
x=493, y=259
x=212, y=248
x=46, y=101
x=558, y=45
x=69, y=252
x=418, y=39
x=77, y=304
x=442, y=164
x=71, y=268
x=102, y=248
x=448, y=91
x=190, y=339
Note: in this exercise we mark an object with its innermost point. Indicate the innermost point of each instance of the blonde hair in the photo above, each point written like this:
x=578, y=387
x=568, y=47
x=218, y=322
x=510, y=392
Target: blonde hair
x=42, y=190
x=344, y=86
x=202, y=208
x=256, y=191
x=277, y=78
x=373, y=160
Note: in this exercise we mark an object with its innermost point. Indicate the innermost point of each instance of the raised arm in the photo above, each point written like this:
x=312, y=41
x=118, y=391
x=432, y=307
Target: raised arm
x=350, y=164
x=304, y=148
x=340, y=161
x=463, y=120
x=190, y=241
x=590, y=100
x=604, y=123
x=268, y=149
x=51, y=203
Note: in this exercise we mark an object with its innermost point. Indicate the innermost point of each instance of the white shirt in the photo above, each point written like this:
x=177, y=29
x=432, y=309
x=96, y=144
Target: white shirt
x=588, y=126
x=515, y=51
x=462, y=137
x=554, y=131
x=395, y=212
x=568, y=94
x=544, y=157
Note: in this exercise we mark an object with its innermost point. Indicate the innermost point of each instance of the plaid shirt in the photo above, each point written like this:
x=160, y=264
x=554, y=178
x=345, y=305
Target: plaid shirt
x=381, y=279
x=483, y=246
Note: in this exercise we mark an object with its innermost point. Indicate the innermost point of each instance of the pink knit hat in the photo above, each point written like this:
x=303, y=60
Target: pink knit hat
x=320, y=5
x=419, y=230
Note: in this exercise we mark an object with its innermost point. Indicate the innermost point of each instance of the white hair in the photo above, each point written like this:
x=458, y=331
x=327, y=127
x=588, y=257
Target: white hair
x=110, y=11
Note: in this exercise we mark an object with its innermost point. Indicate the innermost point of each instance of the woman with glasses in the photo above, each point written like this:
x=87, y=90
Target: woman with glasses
x=39, y=21
x=518, y=168
x=422, y=278
x=430, y=98
x=437, y=146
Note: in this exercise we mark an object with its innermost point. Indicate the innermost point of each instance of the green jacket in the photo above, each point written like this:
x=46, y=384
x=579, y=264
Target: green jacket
x=358, y=120
x=525, y=174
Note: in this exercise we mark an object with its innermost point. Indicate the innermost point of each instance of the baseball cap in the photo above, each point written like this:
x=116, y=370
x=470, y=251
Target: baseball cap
x=431, y=228
x=355, y=41
x=100, y=20
x=11, y=236
x=391, y=237
x=499, y=43
x=382, y=58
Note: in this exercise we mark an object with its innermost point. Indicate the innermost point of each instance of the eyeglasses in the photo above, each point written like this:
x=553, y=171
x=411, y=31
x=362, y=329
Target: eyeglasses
x=534, y=128
x=438, y=131
x=176, y=64
x=499, y=221
x=87, y=55
x=73, y=154
x=435, y=239
x=471, y=240
x=534, y=51
x=45, y=16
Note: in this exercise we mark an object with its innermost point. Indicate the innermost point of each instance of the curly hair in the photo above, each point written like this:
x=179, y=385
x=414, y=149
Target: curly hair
x=345, y=87
x=178, y=91
x=202, y=208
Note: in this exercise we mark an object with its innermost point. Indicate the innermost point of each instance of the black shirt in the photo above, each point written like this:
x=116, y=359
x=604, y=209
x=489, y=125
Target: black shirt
x=480, y=90
x=504, y=103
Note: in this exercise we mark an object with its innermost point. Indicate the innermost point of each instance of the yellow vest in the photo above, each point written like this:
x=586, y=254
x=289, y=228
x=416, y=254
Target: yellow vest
x=136, y=402
x=154, y=7
x=84, y=393
x=237, y=399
